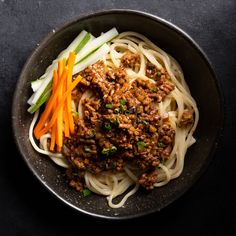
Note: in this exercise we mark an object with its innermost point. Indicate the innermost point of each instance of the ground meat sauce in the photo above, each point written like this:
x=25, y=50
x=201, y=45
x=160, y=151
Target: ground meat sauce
x=121, y=124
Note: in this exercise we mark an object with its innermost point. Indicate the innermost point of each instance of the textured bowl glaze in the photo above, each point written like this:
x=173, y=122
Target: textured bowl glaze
x=198, y=74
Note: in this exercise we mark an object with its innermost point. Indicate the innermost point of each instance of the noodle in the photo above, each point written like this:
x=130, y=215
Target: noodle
x=113, y=184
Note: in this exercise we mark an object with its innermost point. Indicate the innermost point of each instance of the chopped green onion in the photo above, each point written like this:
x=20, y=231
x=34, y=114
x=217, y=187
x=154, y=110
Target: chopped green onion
x=107, y=126
x=109, y=151
x=86, y=192
x=113, y=150
x=154, y=89
x=87, y=149
x=159, y=74
x=121, y=109
x=92, y=133
x=75, y=113
x=163, y=161
x=141, y=145
x=160, y=144
x=105, y=151
x=145, y=122
x=127, y=112
x=74, y=173
x=108, y=105
x=116, y=110
x=115, y=121
x=114, y=165
x=123, y=102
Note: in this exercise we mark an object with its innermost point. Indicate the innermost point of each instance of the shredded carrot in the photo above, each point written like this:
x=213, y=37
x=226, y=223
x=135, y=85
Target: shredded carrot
x=65, y=115
x=60, y=68
x=68, y=121
x=53, y=134
x=71, y=62
x=64, y=62
x=59, y=123
x=49, y=106
x=57, y=115
x=53, y=137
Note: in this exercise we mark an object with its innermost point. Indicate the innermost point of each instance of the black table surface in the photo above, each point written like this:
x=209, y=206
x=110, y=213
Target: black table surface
x=26, y=208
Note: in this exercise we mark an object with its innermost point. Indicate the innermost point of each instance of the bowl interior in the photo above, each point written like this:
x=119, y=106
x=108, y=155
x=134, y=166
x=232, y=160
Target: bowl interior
x=198, y=74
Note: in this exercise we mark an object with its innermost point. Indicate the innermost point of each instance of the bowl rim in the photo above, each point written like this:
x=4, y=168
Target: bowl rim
x=169, y=25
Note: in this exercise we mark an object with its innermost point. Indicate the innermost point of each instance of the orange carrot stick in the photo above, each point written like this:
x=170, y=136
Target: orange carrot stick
x=59, y=123
x=53, y=138
x=64, y=62
x=60, y=68
x=71, y=62
x=55, y=114
x=66, y=121
x=49, y=106
x=53, y=133
x=45, y=115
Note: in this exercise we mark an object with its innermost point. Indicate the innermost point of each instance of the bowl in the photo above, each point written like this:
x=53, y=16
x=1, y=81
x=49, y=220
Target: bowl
x=199, y=76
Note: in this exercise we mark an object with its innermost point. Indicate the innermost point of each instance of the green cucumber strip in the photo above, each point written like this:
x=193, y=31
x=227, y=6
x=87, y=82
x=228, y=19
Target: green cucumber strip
x=86, y=49
x=93, y=58
x=42, y=99
x=96, y=43
x=36, y=84
x=82, y=43
x=48, y=78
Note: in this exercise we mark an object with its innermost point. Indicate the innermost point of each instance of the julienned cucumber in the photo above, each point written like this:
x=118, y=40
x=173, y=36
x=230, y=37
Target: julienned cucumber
x=94, y=57
x=88, y=53
x=83, y=43
x=43, y=98
x=91, y=59
x=96, y=43
x=36, y=83
x=77, y=44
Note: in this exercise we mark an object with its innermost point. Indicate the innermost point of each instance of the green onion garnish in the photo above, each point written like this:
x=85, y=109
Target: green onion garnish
x=113, y=149
x=105, y=151
x=86, y=192
x=109, y=151
x=154, y=89
x=127, y=112
x=123, y=102
x=121, y=109
x=92, y=133
x=159, y=74
x=107, y=126
x=87, y=149
x=116, y=110
x=141, y=145
x=163, y=161
x=113, y=165
x=160, y=144
x=108, y=106
x=75, y=113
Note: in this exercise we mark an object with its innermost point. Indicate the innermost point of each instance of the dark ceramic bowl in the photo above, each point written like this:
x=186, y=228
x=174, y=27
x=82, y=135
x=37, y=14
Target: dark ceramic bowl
x=199, y=76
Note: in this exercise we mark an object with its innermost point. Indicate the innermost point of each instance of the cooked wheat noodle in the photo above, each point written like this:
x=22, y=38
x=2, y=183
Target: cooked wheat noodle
x=113, y=184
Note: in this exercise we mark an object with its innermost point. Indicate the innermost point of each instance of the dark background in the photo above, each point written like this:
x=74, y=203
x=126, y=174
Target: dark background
x=26, y=208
